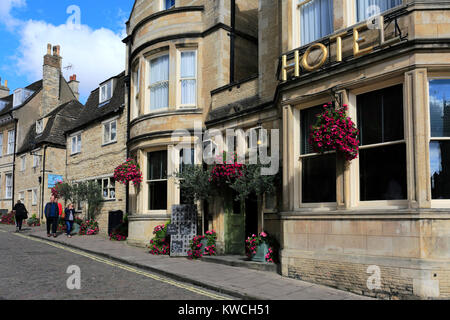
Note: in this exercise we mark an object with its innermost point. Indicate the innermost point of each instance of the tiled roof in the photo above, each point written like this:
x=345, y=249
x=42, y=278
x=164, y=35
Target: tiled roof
x=93, y=111
x=35, y=87
x=58, y=121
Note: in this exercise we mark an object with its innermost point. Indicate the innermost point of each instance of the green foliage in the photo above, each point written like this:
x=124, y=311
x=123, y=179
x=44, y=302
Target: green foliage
x=87, y=191
x=194, y=183
x=253, y=182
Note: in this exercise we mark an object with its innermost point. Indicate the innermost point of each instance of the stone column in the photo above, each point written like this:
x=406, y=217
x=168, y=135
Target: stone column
x=417, y=127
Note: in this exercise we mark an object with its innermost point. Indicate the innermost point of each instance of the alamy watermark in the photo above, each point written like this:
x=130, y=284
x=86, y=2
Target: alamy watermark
x=251, y=146
x=74, y=280
x=74, y=20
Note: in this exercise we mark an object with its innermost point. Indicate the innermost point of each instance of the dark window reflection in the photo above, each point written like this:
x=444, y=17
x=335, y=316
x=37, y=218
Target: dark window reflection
x=440, y=169
x=380, y=115
x=308, y=118
x=440, y=108
x=157, y=165
x=319, y=179
x=157, y=195
x=383, y=173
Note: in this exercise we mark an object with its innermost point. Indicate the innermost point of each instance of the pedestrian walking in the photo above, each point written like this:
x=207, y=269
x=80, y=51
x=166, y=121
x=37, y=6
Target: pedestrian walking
x=21, y=214
x=52, y=211
x=69, y=218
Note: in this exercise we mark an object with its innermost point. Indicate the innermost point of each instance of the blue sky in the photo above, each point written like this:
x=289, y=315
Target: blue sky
x=93, y=48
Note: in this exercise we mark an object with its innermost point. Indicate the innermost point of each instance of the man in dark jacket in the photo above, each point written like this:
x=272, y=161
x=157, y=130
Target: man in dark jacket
x=21, y=214
x=52, y=212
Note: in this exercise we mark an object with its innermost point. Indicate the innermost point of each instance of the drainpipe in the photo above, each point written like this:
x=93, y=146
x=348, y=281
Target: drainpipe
x=127, y=191
x=232, y=39
x=14, y=161
x=43, y=183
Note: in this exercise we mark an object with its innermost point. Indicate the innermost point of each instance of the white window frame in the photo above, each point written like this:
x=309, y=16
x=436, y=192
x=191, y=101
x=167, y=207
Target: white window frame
x=296, y=23
x=22, y=196
x=180, y=80
x=8, y=188
x=149, y=85
x=110, y=186
x=104, y=88
x=148, y=182
x=23, y=163
x=11, y=138
x=78, y=143
x=435, y=203
x=39, y=126
x=109, y=124
x=34, y=196
x=36, y=161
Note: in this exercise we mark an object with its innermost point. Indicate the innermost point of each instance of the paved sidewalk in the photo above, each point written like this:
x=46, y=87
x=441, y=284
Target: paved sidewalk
x=235, y=281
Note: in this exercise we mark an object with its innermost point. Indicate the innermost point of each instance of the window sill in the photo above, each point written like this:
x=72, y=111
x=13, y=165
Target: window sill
x=108, y=200
x=109, y=143
x=74, y=154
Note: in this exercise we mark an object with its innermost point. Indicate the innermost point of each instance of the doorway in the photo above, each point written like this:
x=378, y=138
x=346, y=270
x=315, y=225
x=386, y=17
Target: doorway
x=251, y=215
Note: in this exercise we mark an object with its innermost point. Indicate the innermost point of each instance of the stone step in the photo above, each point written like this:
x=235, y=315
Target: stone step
x=242, y=261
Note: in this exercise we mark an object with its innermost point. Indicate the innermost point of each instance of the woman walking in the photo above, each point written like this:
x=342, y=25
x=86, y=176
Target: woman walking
x=69, y=217
x=21, y=214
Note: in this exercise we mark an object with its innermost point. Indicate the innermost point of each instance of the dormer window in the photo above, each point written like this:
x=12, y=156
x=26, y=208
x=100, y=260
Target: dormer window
x=167, y=4
x=20, y=96
x=39, y=126
x=106, y=91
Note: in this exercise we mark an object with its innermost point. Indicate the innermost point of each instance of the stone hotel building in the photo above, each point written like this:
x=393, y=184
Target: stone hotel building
x=272, y=64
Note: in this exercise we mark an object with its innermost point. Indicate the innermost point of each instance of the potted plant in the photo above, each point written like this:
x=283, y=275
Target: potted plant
x=160, y=244
x=33, y=221
x=204, y=245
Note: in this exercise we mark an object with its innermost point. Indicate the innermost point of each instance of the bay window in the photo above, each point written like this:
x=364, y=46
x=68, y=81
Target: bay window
x=188, y=78
x=159, y=83
x=382, y=158
x=368, y=8
x=315, y=19
x=439, y=97
x=318, y=171
x=157, y=180
x=136, y=89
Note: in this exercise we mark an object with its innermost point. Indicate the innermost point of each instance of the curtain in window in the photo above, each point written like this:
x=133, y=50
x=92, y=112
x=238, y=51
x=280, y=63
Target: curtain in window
x=316, y=20
x=368, y=8
x=159, y=83
x=188, y=75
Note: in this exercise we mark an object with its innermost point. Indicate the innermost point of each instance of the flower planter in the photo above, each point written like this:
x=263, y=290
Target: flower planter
x=76, y=228
x=261, y=252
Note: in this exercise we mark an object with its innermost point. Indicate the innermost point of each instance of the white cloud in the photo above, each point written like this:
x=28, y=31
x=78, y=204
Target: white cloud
x=5, y=12
x=95, y=55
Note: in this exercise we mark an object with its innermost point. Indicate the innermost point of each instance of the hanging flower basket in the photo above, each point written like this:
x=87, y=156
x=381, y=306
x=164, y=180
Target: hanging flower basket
x=128, y=171
x=335, y=131
x=226, y=170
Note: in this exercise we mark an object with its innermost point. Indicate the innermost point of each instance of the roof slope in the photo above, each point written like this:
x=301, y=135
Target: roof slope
x=35, y=87
x=58, y=121
x=93, y=111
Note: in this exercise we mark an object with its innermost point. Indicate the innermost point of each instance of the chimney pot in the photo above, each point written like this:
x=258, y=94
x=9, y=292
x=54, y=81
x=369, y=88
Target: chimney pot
x=49, y=48
x=57, y=50
x=6, y=83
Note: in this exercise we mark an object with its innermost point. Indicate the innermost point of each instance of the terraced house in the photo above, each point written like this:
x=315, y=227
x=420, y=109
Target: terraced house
x=96, y=145
x=42, y=112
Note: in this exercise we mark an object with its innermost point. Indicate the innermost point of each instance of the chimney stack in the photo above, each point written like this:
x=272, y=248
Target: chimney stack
x=74, y=85
x=4, y=90
x=50, y=79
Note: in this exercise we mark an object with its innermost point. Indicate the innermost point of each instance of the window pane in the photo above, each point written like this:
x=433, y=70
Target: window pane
x=308, y=118
x=188, y=92
x=380, y=115
x=79, y=144
x=159, y=82
x=186, y=158
x=113, y=131
x=369, y=8
x=157, y=195
x=106, y=133
x=316, y=20
x=319, y=179
x=169, y=4
x=188, y=64
x=440, y=169
x=157, y=165
x=440, y=108
x=383, y=182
